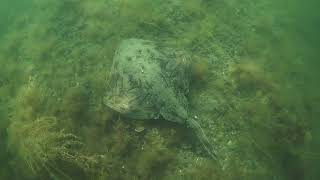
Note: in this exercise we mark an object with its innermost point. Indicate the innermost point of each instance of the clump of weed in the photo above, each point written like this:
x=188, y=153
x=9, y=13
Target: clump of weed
x=41, y=144
x=75, y=103
x=200, y=70
x=204, y=169
x=154, y=156
x=121, y=138
x=29, y=102
x=250, y=77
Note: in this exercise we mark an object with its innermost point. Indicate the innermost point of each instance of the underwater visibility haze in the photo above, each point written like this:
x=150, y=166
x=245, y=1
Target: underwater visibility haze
x=159, y=89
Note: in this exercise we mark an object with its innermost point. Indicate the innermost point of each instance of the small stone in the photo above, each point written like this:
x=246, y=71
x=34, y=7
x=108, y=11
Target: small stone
x=139, y=129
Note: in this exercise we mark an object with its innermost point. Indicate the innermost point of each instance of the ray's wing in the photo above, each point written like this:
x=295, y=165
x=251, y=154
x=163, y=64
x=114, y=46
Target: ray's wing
x=176, y=66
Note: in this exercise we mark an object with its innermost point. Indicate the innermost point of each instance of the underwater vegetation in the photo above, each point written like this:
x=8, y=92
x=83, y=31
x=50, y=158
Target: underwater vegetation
x=39, y=144
x=249, y=92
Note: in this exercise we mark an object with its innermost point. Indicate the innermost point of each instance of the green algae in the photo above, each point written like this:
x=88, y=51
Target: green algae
x=254, y=89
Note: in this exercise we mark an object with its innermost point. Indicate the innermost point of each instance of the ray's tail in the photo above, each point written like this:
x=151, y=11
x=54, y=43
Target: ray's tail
x=194, y=125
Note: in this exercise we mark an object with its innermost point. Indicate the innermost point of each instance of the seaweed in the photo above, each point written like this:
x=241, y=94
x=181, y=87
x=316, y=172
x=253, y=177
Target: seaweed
x=255, y=89
x=153, y=157
x=75, y=104
x=40, y=145
x=250, y=77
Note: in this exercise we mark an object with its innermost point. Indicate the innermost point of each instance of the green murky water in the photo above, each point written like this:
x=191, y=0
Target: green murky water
x=254, y=88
